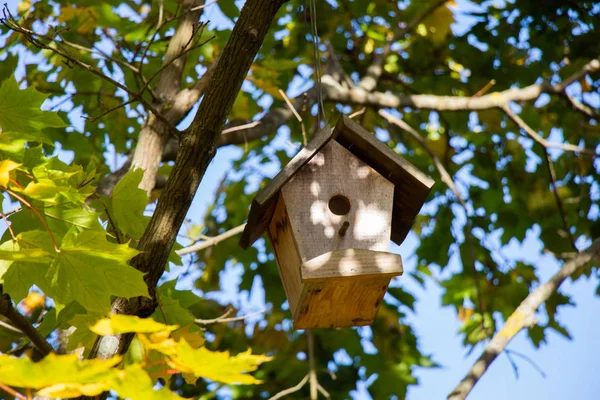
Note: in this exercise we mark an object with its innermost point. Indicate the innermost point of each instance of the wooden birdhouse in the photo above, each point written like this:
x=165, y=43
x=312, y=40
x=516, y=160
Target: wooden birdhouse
x=330, y=215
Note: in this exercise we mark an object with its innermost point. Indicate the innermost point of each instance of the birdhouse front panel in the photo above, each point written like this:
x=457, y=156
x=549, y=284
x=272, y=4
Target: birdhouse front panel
x=336, y=201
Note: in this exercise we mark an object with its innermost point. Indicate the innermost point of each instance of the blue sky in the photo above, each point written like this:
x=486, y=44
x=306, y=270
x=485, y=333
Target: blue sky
x=569, y=366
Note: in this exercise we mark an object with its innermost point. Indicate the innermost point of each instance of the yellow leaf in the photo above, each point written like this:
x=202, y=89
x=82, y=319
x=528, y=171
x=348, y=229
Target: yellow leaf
x=438, y=24
x=217, y=366
x=118, y=324
x=369, y=46
x=54, y=370
x=194, y=338
x=24, y=6
x=167, y=346
x=33, y=301
x=5, y=167
x=465, y=314
x=134, y=383
x=82, y=19
x=72, y=390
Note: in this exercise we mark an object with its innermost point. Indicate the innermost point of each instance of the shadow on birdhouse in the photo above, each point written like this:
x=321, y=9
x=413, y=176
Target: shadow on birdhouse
x=330, y=215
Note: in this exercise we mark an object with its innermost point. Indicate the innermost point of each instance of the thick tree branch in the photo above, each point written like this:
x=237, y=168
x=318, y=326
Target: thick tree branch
x=197, y=148
x=153, y=137
x=523, y=317
x=23, y=324
x=334, y=91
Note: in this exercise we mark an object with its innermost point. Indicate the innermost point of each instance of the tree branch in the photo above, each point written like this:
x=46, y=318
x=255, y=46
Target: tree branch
x=197, y=148
x=539, y=139
x=23, y=324
x=336, y=92
x=212, y=241
x=521, y=318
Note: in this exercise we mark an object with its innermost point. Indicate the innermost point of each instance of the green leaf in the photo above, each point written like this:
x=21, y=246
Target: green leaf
x=20, y=109
x=128, y=203
x=90, y=270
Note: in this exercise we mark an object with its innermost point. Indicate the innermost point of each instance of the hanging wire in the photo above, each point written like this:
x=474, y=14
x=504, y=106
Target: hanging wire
x=316, y=59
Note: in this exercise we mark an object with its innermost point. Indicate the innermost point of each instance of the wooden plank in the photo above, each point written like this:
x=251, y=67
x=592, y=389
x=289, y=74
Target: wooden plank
x=264, y=203
x=319, y=140
x=286, y=254
x=340, y=303
x=351, y=263
x=411, y=185
x=333, y=172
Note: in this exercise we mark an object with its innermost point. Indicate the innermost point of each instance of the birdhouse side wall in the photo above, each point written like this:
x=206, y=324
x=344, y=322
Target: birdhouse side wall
x=335, y=171
x=286, y=254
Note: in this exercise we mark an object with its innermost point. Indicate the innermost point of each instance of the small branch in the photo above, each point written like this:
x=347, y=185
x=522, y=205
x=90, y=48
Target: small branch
x=240, y=127
x=447, y=179
x=30, y=35
x=212, y=241
x=22, y=324
x=223, y=318
x=96, y=118
x=528, y=360
x=12, y=392
x=522, y=317
x=484, y=89
x=291, y=390
x=10, y=327
x=539, y=139
x=293, y=110
x=559, y=203
x=357, y=113
x=311, y=362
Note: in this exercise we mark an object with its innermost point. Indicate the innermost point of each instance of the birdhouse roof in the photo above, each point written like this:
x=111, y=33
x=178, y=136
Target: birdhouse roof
x=411, y=186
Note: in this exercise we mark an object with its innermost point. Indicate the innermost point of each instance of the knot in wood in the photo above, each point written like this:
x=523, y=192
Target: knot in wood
x=253, y=34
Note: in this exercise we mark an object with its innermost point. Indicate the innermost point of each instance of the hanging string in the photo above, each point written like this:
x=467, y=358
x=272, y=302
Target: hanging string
x=316, y=59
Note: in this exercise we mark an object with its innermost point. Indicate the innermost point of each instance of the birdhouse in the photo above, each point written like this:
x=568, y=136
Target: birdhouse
x=330, y=215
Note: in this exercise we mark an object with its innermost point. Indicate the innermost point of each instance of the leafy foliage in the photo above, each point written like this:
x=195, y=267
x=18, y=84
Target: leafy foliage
x=72, y=242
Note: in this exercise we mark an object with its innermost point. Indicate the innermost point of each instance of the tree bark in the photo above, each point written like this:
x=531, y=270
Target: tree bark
x=197, y=148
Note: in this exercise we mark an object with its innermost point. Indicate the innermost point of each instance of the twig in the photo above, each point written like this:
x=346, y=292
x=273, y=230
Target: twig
x=528, y=360
x=550, y=165
x=291, y=390
x=539, y=139
x=223, y=318
x=323, y=391
x=11, y=24
x=522, y=317
x=311, y=362
x=10, y=229
x=484, y=89
x=10, y=327
x=96, y=118
x=559, y=203
x=240, y=127
x=447, y=179
x=357, y=113
x=212, y=241
x=32, y=208
x=12, y=392
x=293, y=110
x=21, y=323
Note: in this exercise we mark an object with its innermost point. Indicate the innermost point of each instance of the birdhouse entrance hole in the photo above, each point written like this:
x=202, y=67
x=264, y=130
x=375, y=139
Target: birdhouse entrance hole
x=339, y=205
